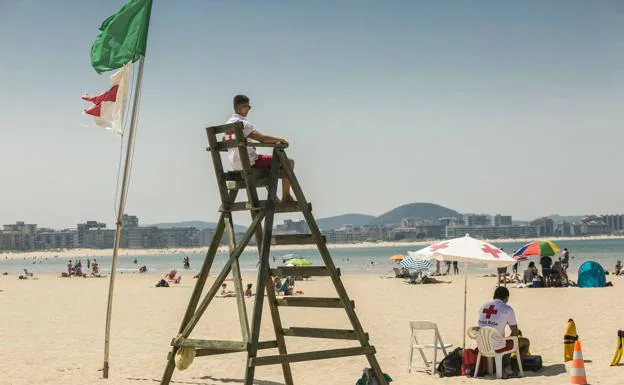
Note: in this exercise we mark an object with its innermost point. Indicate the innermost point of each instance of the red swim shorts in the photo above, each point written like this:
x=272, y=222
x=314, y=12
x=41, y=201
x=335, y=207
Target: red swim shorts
x=263, y=161
x=506, y=348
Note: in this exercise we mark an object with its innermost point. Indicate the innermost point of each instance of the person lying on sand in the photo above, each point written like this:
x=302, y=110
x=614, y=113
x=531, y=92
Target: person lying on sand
x=226, y=293
x=427, y=279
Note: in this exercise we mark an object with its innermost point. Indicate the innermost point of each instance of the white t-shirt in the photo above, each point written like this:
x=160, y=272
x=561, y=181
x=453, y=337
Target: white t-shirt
x=497, y=314
x=233, y=155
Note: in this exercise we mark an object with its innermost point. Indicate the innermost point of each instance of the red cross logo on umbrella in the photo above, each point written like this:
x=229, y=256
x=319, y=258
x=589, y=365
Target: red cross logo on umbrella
x=491, y=250
x=439, y=246
x=489, y=311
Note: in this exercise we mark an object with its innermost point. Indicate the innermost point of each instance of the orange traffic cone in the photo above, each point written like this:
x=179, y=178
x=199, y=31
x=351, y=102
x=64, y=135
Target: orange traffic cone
x=577, y=369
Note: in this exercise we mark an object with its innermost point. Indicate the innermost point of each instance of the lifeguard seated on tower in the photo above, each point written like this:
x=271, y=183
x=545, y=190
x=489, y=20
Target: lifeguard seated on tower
x=241, y=110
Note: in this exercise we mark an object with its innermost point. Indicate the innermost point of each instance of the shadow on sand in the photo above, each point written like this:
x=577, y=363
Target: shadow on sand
x=549, y=371
x=211, y=380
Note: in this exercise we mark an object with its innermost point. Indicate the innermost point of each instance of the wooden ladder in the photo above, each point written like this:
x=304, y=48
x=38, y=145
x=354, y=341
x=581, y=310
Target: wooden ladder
x=249, y=179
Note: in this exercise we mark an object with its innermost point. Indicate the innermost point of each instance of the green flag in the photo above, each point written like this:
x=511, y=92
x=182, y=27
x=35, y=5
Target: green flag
x=123, y=37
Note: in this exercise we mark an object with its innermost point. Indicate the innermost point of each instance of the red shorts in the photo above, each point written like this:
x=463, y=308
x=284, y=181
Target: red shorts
x=263, y=161
x=507, y=347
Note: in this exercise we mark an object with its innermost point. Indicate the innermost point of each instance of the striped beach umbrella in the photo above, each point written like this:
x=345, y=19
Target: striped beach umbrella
x=416, y=266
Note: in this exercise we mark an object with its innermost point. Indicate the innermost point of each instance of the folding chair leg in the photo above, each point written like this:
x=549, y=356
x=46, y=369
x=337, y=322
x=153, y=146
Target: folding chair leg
x=410, y=354
x=442, y=345
x=435, y=353
x=422, y=352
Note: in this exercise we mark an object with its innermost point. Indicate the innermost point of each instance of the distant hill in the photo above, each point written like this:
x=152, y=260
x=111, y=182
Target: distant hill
x=429, y=211
x=565, y=218
x=200, y=225
x=338, y=221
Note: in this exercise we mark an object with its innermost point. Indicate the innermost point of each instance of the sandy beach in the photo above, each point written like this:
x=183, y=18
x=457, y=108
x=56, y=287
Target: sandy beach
x=53, y=329
x=408, y=245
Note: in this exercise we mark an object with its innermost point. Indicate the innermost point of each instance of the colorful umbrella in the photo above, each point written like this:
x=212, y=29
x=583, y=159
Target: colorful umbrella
x=397, y=258
x=541, y=248
x=299, y=262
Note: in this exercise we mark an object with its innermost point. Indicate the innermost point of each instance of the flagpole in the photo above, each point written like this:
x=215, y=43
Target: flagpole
x=120, y=212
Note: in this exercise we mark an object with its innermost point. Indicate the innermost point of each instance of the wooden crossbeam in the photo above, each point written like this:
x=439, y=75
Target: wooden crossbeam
x=227, y=144
x=312, y=356
x=210, y=344
x=290, y=207
x=311, y=302
x=212, y=352
x=301, y=271
x=223, y=128
x=334, y=334
x=293, y=239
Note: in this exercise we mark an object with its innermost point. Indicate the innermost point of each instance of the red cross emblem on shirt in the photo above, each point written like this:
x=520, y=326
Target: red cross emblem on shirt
x=491, y=250
x=489, y=311
x=438, y=246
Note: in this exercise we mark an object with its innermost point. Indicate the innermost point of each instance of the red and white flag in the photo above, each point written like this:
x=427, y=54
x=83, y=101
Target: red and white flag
x=109, y=107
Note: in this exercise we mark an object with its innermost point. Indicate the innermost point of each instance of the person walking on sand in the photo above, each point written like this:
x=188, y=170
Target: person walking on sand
x=565, y=260
x=241, y=110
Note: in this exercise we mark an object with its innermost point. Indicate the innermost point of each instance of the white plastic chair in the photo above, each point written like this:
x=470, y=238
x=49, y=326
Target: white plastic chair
x=415, y=344
x=485, y=343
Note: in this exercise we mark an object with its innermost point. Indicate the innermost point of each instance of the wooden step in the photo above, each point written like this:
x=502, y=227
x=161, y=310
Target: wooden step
x=257, y=173
x=334, y=334
x=302, y=271
x=294, y=239
x=201, y=352
x=234, y=346
x=291, y=207
x=311, y=356
x=239, y=185
x=311, y=302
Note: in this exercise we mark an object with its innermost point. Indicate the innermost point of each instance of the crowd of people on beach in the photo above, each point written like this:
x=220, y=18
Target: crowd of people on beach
x=75, y=270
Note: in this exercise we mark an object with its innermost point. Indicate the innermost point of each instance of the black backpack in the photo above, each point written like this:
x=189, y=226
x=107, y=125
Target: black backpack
x=450, y=366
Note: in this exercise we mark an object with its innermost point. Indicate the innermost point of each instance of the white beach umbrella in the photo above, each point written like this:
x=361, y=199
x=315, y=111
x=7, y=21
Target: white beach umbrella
x=467, y=250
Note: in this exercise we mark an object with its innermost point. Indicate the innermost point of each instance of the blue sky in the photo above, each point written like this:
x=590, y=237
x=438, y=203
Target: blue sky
x=480, y=106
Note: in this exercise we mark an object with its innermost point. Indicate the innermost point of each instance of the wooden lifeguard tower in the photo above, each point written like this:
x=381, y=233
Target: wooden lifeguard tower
x=250, y=179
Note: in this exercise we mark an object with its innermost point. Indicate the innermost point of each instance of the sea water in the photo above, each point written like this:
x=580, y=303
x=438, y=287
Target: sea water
x=356, y=260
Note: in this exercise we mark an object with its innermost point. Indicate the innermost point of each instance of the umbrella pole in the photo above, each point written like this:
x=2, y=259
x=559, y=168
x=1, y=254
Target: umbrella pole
x=465, y=296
